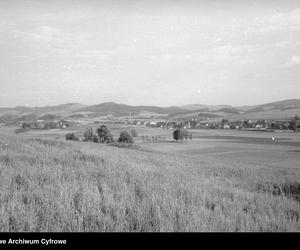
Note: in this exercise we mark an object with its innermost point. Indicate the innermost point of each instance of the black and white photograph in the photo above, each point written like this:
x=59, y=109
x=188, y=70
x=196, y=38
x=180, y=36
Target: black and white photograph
x=148, y=116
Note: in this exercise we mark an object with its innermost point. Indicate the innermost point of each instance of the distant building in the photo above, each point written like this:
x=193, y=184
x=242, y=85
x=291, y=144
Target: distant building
x=226, y=126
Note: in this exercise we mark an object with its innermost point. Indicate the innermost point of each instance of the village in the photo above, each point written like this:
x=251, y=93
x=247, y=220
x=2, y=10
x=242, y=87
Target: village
x=45, y=124
x=292, y=124
x=195, y=123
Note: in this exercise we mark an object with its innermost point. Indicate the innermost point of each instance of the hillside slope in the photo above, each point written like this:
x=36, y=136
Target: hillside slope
x=71, y=186
x=59, y=109
x=115, y=109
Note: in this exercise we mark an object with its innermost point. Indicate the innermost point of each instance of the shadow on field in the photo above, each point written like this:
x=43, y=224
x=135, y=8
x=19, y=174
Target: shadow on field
x=289, y=190
x=179, y=142
x=173, y=142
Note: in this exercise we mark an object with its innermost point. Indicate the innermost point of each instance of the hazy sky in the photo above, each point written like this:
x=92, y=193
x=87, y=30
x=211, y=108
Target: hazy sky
x=148, y=52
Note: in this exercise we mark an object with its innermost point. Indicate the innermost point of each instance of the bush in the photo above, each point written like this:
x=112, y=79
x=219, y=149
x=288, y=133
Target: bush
x=25, y=125
x=72, y=137
x=95, y=138
x=125, y=137
x=104, y=135
x=134, y=133
x=88, y=135
x=180, y=134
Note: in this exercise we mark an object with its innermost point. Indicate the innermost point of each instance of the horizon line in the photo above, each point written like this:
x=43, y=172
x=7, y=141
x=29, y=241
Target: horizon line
x=68, y=103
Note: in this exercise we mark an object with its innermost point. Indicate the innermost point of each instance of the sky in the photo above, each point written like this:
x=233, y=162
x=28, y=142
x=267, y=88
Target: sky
x=149, y=52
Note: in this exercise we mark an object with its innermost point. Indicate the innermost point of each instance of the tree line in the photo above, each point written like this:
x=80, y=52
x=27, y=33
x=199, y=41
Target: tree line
x=103, y=135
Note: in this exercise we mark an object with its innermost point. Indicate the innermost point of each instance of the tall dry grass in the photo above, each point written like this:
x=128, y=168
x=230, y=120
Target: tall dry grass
x=71, y=186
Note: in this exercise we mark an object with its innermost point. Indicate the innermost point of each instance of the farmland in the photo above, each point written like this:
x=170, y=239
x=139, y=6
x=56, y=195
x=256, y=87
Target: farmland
x=149, y=116
x=218, y=181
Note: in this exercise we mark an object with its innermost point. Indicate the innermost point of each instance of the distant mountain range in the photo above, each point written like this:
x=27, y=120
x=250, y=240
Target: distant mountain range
x=280, y=109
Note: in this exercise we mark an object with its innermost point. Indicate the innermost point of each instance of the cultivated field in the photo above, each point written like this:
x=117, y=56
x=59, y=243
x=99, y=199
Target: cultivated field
x=218, y=181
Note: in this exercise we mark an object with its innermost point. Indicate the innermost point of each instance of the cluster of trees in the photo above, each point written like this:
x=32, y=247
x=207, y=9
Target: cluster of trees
x=90, y=136
x=179, y=134
x=125, y=137
x=46, y=124
x=103, y=135
x=149, y=139
x=296, y=124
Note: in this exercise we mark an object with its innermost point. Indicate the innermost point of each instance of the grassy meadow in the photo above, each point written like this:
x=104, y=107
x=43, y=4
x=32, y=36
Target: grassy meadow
x=58, y=186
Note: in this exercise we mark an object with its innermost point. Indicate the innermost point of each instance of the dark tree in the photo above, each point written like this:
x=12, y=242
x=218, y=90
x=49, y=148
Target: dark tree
x=125, y=137
x=88, y=134
x=26, y=125
x=296, y=123
x=224, y=121
x=95, y=138
x=104, y=135
x=179, y=134
x=134, y=133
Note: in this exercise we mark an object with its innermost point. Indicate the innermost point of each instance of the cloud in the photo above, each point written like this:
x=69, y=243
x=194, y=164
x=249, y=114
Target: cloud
x=48, y=34
x=43, y=34
x=279, y=21
x=293, y=61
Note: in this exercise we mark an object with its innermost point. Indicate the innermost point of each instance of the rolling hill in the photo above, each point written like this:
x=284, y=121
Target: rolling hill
x=115, y=109
x=284, y=109
x=276, y=110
